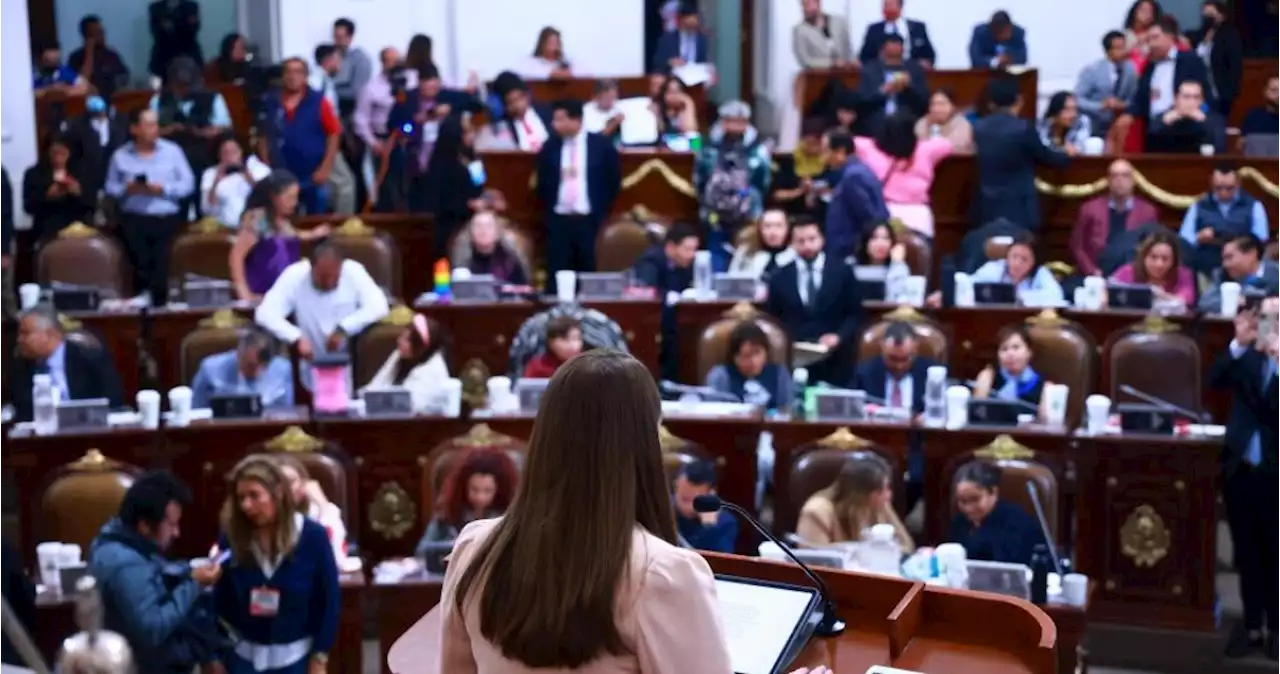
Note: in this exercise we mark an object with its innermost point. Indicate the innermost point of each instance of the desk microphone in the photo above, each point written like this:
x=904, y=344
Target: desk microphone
x=828, y=625
x=707, y=394
x=1163, y=404
x=1044, y=526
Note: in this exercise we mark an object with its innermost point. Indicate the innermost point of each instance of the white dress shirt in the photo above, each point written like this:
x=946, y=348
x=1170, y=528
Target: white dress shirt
x=802, y=275
x=572, y=199
x=226, y=203
x=900, y=27
x=531, y=134
x=353, y=305
x=1162, y=85
x=322, y=83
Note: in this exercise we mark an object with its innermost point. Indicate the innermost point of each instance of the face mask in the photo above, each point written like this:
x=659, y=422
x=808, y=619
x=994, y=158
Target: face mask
x=95, y=105
x=1207, y=22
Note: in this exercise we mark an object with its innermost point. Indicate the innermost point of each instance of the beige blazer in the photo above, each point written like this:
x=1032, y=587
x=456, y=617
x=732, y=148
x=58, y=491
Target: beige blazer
x=819, y=525
x=959, y=131
x=667, y=614
x=814, y=51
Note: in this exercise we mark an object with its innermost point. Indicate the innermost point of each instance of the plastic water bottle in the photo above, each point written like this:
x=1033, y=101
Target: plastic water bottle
x=935, y=404
x=44, y=414
x=879, y=552
x=1040, y=566
x=799, y=381
x=702, y=273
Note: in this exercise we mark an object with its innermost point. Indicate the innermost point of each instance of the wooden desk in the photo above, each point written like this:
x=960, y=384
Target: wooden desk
x=969, y=86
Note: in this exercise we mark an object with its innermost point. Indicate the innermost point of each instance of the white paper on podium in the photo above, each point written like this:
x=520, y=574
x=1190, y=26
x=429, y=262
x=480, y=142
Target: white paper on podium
x=758, y=622
x=804, y=354
x=639, y=124
x=693, y=74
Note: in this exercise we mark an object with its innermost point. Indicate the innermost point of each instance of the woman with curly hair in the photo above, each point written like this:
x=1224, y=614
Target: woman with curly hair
x=480, y=486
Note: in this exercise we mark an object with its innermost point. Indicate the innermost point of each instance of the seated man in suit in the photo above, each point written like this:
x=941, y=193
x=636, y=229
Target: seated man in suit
x=668, y=268
x=915, y=37
x=891, y=83
x=252, y=367
x=1222, y=214
x=998, y=44
x=1106, y=86
x=1104, y=218
x=683, y=46
x=897, y=376
x=1241, y=263
x=1186, y=127
x=716, y=531
x=77, y=371
x=816, y=299
x=1166, y=69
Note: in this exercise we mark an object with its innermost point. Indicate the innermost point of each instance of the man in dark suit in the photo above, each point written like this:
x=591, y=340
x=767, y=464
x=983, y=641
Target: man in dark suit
x=680, y=47
x=1249, y=480
x=816, y=299
x=914, y=34
x=92, y=138
x=175, y=31
x=1008, y=151
x=897, y=376
x=1226, y=55
x=890, y=83
x=1166, y=69
x=579, y=176
x=79, y=372
x=998, y=44
x=668, y=268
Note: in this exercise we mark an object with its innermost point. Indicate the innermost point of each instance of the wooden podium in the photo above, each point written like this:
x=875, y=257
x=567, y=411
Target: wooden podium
x=890, y=622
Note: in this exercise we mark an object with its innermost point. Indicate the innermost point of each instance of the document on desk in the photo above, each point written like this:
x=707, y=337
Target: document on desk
x=804, y=354
x=759, y=622
x=639, y=124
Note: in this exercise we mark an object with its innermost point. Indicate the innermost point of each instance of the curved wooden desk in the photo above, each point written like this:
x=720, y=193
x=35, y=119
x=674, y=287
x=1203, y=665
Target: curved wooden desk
x=890, y=622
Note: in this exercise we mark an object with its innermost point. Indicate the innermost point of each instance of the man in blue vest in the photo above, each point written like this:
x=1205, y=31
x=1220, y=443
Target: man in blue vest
x=1224, y=213
x=302, y=135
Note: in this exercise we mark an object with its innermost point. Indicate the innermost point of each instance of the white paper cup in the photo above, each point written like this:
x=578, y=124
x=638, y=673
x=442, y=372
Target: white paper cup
x=1080, y=298
x=1075, y=588
x=69, y=554
x=49, y=554
x=149, y=408
x=498, y=389
x=1055, y=396
x=936, y=373
x=179, y=406
x=1206, y=150
x=1093, y=146
x=1097, y=412
x=913, y=290
x=453, y=398
x=1230, y=294
x=461, y=274
x=1097, y=287
x=566, y=285
x=964, y=290
x=29, y=295
x=957, y=406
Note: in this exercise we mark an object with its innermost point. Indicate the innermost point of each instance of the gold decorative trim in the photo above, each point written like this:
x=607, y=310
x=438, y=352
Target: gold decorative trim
x=481, y=435
x=676, y=181
x=843, y=438
x=905, y=313
x=400, y=315
x=1059, y=268
x=77, y=230
x=207, y=225
x=294, y=440
x=669, y=441
x=223, y=319
x=391, y=512
x=742, y=311
x=354, y=227
x=1144, y=538
x=1155, y=192
x=1005, y=448
x=93, y=461
x=69, y=324
x=1047, y=318
x=475, y=383
x=1155, y=324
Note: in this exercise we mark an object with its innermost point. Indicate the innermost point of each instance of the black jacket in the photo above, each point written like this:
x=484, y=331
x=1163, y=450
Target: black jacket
x=89, y=157
x=50, y=215
x=90, y=374
x=1187, y=66
x=1226, y=61
x=603, y=171
x=838, y=308
x=176, y=32
x=921, y=47
x=655, y=270
x=914, y=98
x=1253, y=408
x=1008, y=151
x=873, y=372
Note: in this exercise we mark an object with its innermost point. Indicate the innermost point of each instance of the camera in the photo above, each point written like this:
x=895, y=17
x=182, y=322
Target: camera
x=399, y=80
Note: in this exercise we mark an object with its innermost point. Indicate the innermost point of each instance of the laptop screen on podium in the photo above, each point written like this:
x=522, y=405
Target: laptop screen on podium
x=765, y=624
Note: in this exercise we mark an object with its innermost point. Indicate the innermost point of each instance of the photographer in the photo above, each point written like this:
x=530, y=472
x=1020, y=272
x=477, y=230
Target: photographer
x=418, y=118
x=224, y=188
x=373, y=111
x=304, y=136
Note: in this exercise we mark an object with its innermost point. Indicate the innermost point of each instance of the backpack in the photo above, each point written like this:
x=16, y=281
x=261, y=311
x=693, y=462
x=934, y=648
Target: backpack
x=727, y=195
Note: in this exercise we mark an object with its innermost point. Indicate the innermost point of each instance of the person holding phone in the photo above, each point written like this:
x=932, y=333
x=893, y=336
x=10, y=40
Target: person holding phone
x=224, y=188
x=53, y=194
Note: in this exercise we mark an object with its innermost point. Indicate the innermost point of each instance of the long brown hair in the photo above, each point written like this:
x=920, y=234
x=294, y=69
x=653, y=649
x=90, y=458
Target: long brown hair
x=1144, y=249
x=552, y=567
x=287, y=461
x=859, y=478
x=239, y=529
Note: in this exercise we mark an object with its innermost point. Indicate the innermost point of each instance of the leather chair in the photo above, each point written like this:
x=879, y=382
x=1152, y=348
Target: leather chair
x=931, y=336
x=82, y=497
x=374, y=249
x=378, y=341
x=678, y=452
x=441, y=460
x=1155, y=357
x=815, y=465
x=1064, y=353
x=919, y=249
x=1019, y=465
x=713, y=343
x=995, y=247
x=620, y=244
x=513, y=235
x=326, y=463
x=81, y=255
x=202, y=250
x=215, y=334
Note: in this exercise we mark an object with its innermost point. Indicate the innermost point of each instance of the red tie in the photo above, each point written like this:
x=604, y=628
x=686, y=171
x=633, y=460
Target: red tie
x=895, y=394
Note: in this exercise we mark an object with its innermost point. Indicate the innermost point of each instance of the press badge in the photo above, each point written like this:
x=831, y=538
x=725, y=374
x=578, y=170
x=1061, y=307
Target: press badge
x=264, y=602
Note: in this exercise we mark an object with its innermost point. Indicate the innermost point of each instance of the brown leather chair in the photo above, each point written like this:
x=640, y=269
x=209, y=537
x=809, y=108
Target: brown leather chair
x=437, y=466
x=678, y=452
x=1154, y=356
x=995, y=247
x=375, y=345
x=374, y=249
x=931, y=337
x=81, y=255
x=620, y=244
x=215, y=334
x=81, y=497
x=202, y=250
x=326, y=463
x=1019, y=465
x=919, y=250
x=815, y=465
x=713, y=343
x=1064, y=353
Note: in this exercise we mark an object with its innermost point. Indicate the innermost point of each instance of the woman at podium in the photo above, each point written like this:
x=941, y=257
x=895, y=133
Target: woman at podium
x=583, y=572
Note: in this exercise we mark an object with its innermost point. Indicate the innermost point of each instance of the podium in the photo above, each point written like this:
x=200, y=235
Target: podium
x=890, y=621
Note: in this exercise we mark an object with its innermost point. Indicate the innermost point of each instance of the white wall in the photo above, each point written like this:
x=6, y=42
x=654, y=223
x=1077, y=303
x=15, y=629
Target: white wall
x=17, y=107
x=380, y=23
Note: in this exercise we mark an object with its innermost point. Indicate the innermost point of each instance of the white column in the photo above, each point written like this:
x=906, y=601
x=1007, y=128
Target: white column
x=17, y=105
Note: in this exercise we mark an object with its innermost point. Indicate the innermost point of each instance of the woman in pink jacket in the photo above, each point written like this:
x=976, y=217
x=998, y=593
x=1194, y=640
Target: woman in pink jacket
x=905, y=166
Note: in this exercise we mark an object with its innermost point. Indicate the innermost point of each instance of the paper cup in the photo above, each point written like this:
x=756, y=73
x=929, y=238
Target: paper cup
x=453, y=398
x=964, y=290
x=1097, y=412
x=566, y=286
x=1230, y=294
x=149, y=408
x=913, y=290
x=957, y=406
x=1055, y=396
x=49, y=554
x=498, y=388
x=180, y=406
x=1097, y=289
x=69, y=554
x=461, y=274
x=29, y=295
x=1075, y=588
x=1080, y=298
x=1207, y=150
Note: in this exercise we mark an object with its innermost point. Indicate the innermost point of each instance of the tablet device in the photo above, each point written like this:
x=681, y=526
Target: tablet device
x=766, y=624
x=995, y=293
x=1130, y=296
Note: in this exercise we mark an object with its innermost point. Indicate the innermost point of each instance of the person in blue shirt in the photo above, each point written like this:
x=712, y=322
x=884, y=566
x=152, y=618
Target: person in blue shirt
x=747, y=371
x=854, y=202
x=1222, y=214
x=51, y=75
x=989, y=528
x=717, y=531
x=278, y=595
x=1021, y=267
x=254, y=366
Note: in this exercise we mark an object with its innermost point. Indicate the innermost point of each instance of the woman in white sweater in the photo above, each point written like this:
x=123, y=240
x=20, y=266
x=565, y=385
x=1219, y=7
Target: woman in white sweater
x=416, y=365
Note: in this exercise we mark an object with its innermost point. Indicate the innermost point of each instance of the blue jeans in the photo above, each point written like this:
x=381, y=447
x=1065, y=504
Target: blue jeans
x=314, y=199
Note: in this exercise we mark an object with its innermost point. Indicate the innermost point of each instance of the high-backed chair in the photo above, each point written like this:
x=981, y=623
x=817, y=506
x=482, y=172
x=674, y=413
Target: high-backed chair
x=203, y=250
x=374, y=249
x=75, y=331
x=932, y=338
x=378, y=341
x=620, y=244
x=326, y=463
x=1019, y=466
x=513, y=235
x=919, y=250
x=598, y=331
x=81, y=497
x=81, y=255
x=678, y=452
x=815, y=465
x=1154, y=356
x=1065, y=353
x=713, y=343
x=442, y=458
x=215, y=334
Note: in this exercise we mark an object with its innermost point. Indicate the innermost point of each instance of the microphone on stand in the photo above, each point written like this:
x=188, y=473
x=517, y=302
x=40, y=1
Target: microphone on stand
x=828, y=625
x=1044, y=526
x=1164, y=404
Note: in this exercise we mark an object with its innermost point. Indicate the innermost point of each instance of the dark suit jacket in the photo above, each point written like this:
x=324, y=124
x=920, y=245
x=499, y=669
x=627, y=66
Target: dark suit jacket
x=1093, y=223
x=1008, y=150
x=1226, y=61
x=982, y=46
x=175, y=33
x=1253, y=408
x=458, y=101
x=1009, y=534
x=872, y=373
x=921, y=48
x=603, y=171
x=1187, y=67
x=90, y=374
x=872, y=101
x=51, y=215
x=668, y=47
x=838, y=309
x=89, y=157
x=654, y=270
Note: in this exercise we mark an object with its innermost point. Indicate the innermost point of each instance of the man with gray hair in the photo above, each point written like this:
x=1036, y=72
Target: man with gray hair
x=732, y=176
x=255, y=366
x=77, y=371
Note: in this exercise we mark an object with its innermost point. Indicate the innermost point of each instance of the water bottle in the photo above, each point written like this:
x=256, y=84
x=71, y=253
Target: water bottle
x=1040, y=566
x=702, y=273
x=935, y=405
x=44, y=413
x=799, y=381
x=879, y=552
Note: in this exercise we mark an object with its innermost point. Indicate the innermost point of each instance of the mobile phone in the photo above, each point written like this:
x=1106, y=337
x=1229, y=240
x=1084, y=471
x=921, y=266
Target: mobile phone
x=234, y=168
x=141, y=179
